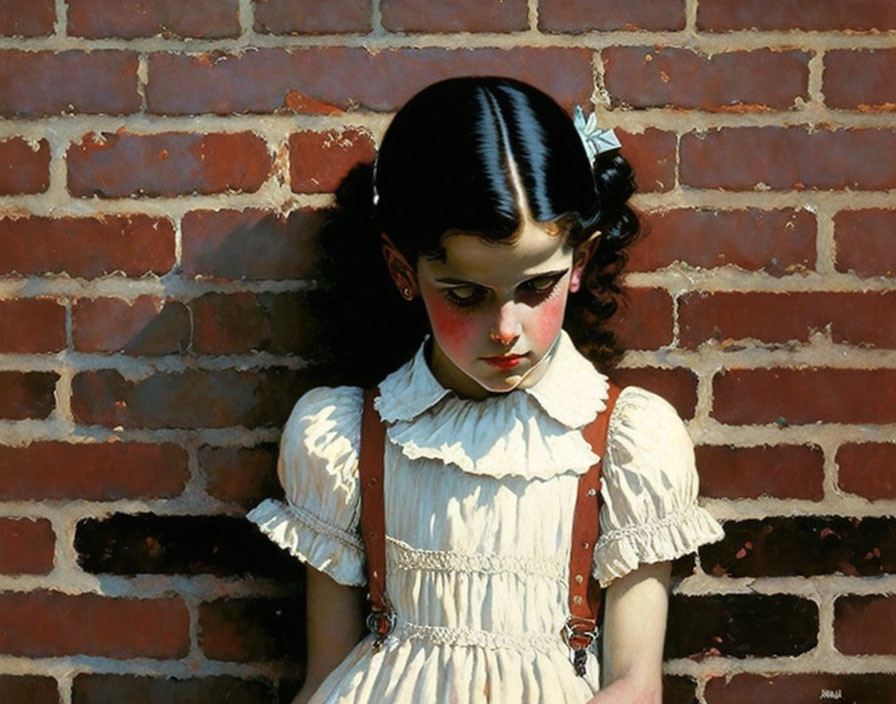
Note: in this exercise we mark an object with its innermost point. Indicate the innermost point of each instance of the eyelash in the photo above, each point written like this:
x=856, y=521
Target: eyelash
x=479, y=293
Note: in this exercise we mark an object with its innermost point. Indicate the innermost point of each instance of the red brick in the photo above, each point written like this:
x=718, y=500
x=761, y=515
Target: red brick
x=51, y=624
x=28, y=546
x=117, y=165
x=144, y=326
x=27, y=394
x=870, y=687
x=312, y=17
x=678, y=386
x=31, y=325
x=644, y=319
x=867, y=469
x=34, y=83
x=27, y=19
x=860, y=15
x=249, y=244
x=864, y=242
x=59, y=471
x=460, y=16
x=33, y=689
x=783, y=471
x=784, y=158
x=864, y=625
x=191, y=399
x=245, y=630
x=801, y=396
x=652, y=154
x=575, y=16
x=24, y=168
x=244, y=322
x=736, y=81
x=319, y=160
x=780, y=241
x=207, y=19
x=86, y=247
x=112, y=689
x=851, y=318
x=240, y=475
x=334, y=79
x=860, y=79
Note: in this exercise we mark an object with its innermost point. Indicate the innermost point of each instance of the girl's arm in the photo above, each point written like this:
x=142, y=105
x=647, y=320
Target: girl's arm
x=634, y=632
x=334, y=620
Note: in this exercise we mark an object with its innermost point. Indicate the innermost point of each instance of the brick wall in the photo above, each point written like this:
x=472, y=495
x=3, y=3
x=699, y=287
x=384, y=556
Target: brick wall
x=163, y=168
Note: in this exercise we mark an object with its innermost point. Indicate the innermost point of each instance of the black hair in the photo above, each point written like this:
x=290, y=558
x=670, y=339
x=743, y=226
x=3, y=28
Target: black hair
x=445, y=164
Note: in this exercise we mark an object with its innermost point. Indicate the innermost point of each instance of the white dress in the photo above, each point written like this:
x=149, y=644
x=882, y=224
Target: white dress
x=479, y=500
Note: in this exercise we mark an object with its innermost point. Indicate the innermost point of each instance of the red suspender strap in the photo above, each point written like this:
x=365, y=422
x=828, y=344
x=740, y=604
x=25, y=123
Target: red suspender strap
x=584, y=593
x=381, y=620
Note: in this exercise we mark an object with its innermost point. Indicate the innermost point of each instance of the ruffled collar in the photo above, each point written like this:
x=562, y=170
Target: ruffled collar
x=533, y=433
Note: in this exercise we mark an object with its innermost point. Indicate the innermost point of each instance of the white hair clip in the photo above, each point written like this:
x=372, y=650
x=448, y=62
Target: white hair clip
x=595, y=139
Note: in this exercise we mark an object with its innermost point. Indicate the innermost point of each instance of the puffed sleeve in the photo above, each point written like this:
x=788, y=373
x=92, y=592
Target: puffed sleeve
x=318, y=468
x=649, y=511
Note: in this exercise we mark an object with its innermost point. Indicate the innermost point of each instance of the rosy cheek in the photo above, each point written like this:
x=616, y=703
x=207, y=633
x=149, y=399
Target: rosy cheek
x=548, y=321
x=452, y=329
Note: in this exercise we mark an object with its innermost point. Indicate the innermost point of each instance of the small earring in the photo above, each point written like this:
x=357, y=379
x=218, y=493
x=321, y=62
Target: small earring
x=406, y=292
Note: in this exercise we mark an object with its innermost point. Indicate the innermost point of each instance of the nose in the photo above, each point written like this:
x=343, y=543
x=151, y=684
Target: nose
x=507, y=327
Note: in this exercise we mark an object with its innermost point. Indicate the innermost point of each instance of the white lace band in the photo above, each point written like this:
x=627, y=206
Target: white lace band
x=469, y=637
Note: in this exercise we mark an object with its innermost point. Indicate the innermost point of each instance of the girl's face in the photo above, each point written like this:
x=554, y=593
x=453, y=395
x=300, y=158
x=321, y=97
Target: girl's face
x=496, y=309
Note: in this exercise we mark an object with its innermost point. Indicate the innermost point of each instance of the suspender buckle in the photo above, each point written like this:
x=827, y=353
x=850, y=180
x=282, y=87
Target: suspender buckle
x=380, y=624
x=579, y=633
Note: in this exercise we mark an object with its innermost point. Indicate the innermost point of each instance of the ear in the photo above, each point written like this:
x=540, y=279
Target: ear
x=400, y=270
x=580, y=259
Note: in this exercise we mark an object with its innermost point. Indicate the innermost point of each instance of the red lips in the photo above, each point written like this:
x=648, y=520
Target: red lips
x=505, y=362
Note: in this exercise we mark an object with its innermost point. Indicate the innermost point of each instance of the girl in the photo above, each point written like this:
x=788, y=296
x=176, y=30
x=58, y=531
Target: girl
x=473, y=267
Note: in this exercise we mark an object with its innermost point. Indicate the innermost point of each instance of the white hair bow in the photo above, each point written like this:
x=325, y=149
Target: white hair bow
x=595, y=139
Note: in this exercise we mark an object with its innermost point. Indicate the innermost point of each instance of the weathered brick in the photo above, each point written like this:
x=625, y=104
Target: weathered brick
x=803, y=546
x=850, y=318
x=678, y=689
x=114, y=689
x=735, y=81
x=860, y=79
x=740, y=625
x=319, y=160
x=31, y=325
x=129, y=544
x=27, y=394
x=35, y=83
x=51, y=624
x=864, y=241
x=28, y=546
x=801, y=396
x=144, y=326
x=678, y=386
x=190, y=399
x=240, y=475
x=87, y=247
x=784, y=158
x=864, y=625
x=333, y=79
x=644, y=319
x=575, y=16
x=857, y=15
x=867, y=469
x=33, y=689
x=312, y=17
x=96, y=472
x=255, y=629
x=460, y=16
x=780, y=241
x=117, y=165
x=652, y=154
x=250, y=244
x=27, y=19
x=24, y=166
x=781, y=471
x=206, y=19
x=867, y=687
x=235, y=323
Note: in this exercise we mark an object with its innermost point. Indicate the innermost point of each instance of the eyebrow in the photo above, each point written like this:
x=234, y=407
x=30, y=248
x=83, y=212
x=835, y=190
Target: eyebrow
x=537, y=275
